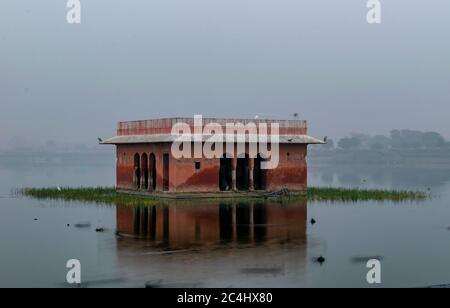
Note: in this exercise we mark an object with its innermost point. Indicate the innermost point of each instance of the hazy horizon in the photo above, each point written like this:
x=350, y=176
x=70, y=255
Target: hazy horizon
x=131, y=60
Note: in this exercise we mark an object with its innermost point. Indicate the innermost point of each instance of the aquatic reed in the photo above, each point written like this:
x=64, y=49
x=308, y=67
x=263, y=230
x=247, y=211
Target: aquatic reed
x=110, y=195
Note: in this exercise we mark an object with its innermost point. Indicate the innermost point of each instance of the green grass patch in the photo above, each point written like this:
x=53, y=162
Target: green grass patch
x=109, y=195
x=97, y=195
x=354, y=195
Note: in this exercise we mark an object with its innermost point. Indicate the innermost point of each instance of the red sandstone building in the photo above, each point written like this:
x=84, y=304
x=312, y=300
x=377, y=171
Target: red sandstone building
x=145, y=163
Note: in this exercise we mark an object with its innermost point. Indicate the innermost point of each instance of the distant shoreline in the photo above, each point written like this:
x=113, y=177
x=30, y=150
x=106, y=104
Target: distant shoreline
x=391, y=157
x=387, y=157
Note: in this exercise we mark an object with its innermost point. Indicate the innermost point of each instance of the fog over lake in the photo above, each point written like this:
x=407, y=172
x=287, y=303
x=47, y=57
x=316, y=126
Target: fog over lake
x=379, y=94
x=149, y=59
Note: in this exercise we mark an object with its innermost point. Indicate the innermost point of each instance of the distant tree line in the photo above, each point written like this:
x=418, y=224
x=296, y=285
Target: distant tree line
x=397, y=139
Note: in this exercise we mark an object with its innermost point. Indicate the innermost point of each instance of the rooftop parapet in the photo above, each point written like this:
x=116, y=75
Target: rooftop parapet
x=164, y=126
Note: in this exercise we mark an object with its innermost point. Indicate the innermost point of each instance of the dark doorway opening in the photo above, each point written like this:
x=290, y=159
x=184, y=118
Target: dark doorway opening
x=152, y=172
x=166, y=172
x=259, y=175
x=144, y=168
x=225, y=174
x=137, y=171
x=243, y=173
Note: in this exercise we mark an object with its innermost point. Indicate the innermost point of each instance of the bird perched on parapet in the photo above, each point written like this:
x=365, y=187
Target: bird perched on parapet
x=100, y=139
x=295, y=115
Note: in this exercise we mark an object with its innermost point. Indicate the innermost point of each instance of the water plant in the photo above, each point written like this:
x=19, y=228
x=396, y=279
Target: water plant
x=321, y=194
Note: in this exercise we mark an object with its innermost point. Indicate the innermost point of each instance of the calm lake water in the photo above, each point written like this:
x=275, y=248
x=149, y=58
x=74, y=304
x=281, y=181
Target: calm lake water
x=200, y=244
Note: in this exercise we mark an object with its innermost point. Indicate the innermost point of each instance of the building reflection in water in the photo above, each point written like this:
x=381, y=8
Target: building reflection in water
x=183, y=225
x=213, y=244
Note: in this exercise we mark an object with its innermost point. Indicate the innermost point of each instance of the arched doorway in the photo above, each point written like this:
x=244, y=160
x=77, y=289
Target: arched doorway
x=137, y=171
x=152, y=172
x=259, y=174
x=226, y=173
x=243, y=173
x=144, y=168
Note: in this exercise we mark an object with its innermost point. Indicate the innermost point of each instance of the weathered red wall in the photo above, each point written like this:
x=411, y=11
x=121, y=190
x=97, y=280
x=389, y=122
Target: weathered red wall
x=292, y=169
x=125, y=163
x=291, y=173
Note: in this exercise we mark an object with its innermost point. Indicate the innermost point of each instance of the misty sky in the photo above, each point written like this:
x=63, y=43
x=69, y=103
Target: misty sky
x=138, y=59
